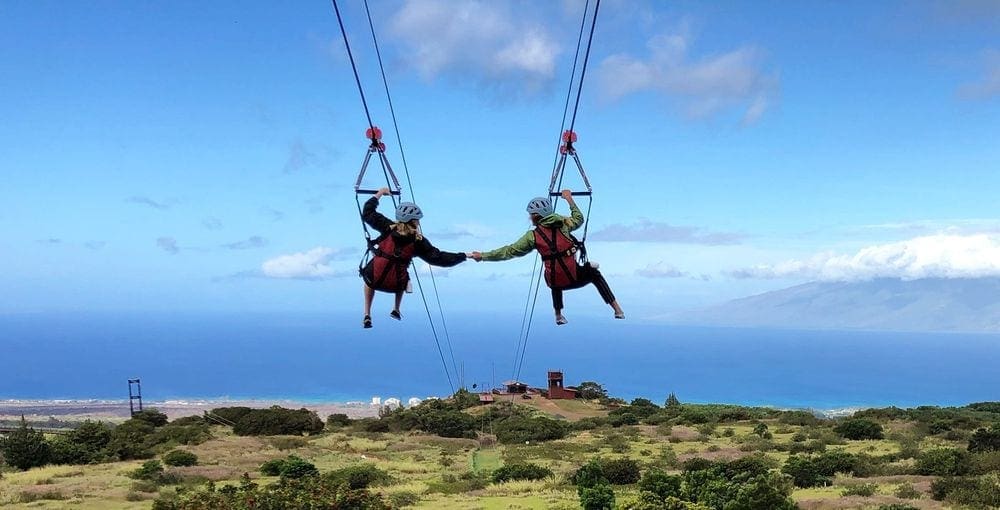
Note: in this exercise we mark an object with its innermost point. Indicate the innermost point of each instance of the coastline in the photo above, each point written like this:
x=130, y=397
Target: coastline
x=118, y=410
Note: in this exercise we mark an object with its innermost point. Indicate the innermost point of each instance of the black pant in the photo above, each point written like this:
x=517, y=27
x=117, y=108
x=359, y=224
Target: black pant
x=585, y=274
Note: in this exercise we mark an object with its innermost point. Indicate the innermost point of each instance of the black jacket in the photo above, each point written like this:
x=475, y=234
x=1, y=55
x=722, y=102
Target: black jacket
x=423, y=248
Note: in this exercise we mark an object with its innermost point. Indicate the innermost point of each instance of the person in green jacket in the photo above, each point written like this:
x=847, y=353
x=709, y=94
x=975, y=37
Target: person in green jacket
x=553, y=238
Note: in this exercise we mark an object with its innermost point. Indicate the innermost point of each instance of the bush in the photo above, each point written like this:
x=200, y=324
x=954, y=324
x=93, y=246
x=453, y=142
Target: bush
x=589, y=475
x=24, y=448
x=272, y=467
x=975, y=492
x=598, y=497
x=180, y=458
x=63, y=451
x=151, y=470
x=906, y=491
x=337, y=420
x=180, y=434
x=129, y=440
x=151, y=416
x=859, y=429
x=295, y=468
x=361, y=476
x=404, y=499
x=520, y=472
x=866, y=490
x=985, y=440
x=660, y=484
x=277, y=421
x=520, y=429
x=897, y=506
x=623, y=419
x=450, y=424
x=621, y=471
x=450, y=484
x=943, y=462
x=308, y=492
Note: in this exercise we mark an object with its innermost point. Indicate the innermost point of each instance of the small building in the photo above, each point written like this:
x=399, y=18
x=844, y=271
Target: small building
x=556, y=389
x=485, y=398
x=515, y=387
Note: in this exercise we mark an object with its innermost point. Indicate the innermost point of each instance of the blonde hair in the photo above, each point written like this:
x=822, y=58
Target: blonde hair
x=407, y=228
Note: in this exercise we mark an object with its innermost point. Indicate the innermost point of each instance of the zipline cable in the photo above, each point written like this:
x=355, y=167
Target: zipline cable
x=409, y=183
x=526, y=328
x=371, y=125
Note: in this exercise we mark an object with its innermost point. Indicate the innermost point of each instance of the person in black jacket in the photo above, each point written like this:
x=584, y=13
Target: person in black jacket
x=393, y=251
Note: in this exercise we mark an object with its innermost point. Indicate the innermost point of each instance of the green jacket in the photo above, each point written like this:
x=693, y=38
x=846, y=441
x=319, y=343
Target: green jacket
x=526, y=243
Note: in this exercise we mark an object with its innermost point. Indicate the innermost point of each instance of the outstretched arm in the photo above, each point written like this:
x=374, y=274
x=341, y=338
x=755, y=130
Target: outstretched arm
x=435, y=257
x=373, y=217
x=519, y=248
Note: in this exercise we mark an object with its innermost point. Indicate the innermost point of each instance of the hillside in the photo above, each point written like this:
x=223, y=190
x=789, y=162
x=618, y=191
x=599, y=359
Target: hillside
x=955, y=305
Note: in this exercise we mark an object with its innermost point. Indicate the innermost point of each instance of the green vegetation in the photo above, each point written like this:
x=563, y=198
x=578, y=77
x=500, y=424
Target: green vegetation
x=455, y=454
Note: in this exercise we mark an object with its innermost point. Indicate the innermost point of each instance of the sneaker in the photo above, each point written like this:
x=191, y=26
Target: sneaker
x=395, y=315
x=620, y=315
x=367, y=322
x=560, y=320
x=595, y=265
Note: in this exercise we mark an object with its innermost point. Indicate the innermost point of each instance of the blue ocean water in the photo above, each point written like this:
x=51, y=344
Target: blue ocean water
x=330, y=358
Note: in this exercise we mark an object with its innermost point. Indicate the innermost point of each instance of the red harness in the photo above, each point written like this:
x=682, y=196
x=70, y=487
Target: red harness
x=558, y=252
x=390, y=264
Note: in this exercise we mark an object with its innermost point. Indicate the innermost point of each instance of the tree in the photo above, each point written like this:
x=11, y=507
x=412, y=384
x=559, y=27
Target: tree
x=985, y=440
x=672, y=401
x=859, y=429
x=180, y=458
x=151, y=416
x=129, y=440
x=590, y=390
x=943, y=462
x=661, y=484
x=25, y=447
x=621, y=471
x=337, y=420
x=598, y=497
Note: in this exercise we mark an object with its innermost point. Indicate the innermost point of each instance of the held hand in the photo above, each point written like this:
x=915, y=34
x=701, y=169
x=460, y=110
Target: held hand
x=477, y=256
x=383, y=191
x=567, y=195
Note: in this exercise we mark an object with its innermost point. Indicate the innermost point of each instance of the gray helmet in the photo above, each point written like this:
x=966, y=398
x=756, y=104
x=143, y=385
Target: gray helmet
x=541, y=206
x=407, y=211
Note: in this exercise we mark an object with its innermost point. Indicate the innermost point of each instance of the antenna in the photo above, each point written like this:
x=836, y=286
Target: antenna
x=134, y=396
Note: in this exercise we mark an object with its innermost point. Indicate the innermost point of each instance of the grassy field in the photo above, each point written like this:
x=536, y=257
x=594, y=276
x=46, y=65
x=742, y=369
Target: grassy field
x=426, y=466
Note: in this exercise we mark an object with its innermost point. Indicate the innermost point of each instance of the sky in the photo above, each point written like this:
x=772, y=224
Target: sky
x=177, y=156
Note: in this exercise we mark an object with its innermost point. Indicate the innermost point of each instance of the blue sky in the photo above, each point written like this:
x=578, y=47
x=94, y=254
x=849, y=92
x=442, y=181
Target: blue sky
x=170, y=156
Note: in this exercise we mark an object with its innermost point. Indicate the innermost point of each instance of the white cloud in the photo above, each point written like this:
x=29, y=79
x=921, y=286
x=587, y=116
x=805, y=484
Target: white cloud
x=701, y=86
x=314, y=264
x=934, y=256
x=988, y=86
x=487, y=40
x=648, y=231
x=660, y=270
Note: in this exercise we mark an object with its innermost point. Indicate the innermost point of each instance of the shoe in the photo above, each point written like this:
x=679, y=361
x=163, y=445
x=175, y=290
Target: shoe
x=560, y=320
x=367, y=322
x=395, y=315
x=594, y=265
x=620, y=315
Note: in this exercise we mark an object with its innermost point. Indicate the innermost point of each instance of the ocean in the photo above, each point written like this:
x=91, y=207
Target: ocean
x=328, y=357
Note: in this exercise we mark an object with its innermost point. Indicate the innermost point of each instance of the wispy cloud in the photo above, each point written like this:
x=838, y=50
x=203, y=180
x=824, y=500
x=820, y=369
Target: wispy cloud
x=273, y=214
x=314, y=264
x=94, y=245
x=701, y=86
x=660, y=270
x=935, y=256
x=299, y=156
x=168, y=244
x=49, y=241
x=252, y=242
x=463, y=231
x=212, y=223
x=988, y=85
x=143, y=200
x=495, y=43
x=647, y=231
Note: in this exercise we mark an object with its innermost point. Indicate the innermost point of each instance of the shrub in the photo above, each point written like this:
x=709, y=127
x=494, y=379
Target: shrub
x=450, y=424
x=151, y=416
x=866, y=490
x=943, y=462
x=621, y=471
x=295, y=468
x=277, y=421
x=272, y=467
x=598, y=497
x=180, y=458
x=337, y=420
x=24, y=448
x=623, y=419
x=589, y=475
x=287, y=443
x=145, y=486
x=985, y=440
x=661, y=484
x=308, y=492
x=361, y=476
x=177, y=434
x=151, y=470
x=897, y=506
x=859, y=429
x=524, y=471
x=450, y=484
x=64, y=451
x=906, y=491
x=404, y=499
x=969, y=491
x=129, y=440
x=519, y=429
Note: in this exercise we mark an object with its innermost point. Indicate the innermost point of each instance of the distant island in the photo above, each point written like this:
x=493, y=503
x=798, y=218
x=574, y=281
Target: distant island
x=889, y=304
